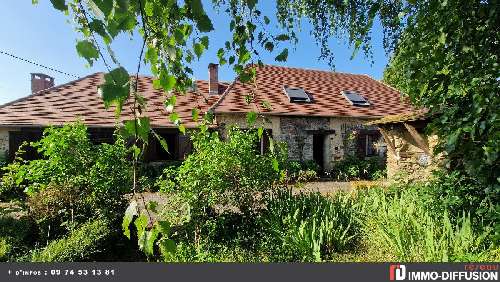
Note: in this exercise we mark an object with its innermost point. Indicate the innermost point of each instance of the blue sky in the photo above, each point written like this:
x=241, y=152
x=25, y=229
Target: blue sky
x=44, y=35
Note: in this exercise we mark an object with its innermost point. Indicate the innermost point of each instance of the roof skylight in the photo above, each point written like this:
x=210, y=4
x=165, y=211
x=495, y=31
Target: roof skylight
x=297, y=95
x=355, y=98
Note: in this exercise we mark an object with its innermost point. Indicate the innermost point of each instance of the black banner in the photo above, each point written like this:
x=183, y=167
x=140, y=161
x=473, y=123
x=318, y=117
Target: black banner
x=300, y=272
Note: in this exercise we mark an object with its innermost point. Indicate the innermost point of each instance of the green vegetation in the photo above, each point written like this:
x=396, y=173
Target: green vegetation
x=354, y=168
x=64, y=196
x=80, y=245
x=226, y=202
x=225, y=172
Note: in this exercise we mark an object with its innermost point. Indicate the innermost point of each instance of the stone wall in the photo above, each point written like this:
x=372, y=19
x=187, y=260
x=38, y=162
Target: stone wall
x=409, y=160
x=297, y=133
x=4, y=141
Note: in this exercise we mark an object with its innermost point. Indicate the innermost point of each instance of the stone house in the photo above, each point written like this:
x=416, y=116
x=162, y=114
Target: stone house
x=321, y=115
x=410, y=151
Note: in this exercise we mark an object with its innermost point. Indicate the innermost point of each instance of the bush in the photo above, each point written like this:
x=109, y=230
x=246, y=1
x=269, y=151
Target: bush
x=456, y=193
x=310, y=227
x=80, y=245
x=302, y=171
x=16, y=235
x=353, y=168
x=401, y=226
x=58, y=208
x=98, y=175
x=226, y=173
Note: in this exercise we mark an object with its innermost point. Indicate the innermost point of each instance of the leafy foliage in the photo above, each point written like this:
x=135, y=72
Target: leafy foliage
x=302, y=171
x=74, y=176
x=80, y=245
x=17, y=233
x=354, y=168
x=447, y=61
x=227, y=172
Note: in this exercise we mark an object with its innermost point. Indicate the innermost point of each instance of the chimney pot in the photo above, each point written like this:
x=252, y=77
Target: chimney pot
x=40, y=81
x=213, y=79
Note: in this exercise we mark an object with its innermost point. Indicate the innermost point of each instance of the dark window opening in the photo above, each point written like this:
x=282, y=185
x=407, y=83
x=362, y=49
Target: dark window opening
x=367, y=144
x=17, y=138
x=355, y=98
x=155, y=150
x=263, y=144
x=319, y=148
x=297, y=95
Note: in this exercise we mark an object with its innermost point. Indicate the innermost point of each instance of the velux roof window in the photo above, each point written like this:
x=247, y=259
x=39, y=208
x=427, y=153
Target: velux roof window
x=355, y=98
x=296, y=95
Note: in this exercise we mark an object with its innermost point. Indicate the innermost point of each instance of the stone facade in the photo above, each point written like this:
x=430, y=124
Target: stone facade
x=298, y=132
x=409, y=159
x=4, y=142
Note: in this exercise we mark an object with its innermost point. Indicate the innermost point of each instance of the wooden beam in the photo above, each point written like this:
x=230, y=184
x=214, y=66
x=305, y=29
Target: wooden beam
x=422, y=144
x=388, y=140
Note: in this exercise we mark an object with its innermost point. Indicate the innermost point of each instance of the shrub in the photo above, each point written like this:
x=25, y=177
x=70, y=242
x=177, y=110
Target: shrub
x=98, y=174
x=59, y=207
x=310, y=227
x=80, y=245
x=401, y=225
x=302, y=171
x=227, y=172
x=456, y=193
x=16, y=235
x=354, y=168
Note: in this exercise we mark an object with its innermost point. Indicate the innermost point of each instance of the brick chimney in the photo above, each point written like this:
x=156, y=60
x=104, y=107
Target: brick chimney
x=40, y=81
x=213, y=79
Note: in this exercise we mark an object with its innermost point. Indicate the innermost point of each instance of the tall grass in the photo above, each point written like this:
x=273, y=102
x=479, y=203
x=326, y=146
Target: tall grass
x=401, y=224
x=310, y=227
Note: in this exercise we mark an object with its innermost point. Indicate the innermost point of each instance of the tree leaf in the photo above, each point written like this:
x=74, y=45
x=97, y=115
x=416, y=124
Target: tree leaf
x=59, y=5
x=174, y=117
x=195, y=114
x=198, y=49
x=269, y=46
x=167, y=81
x=130, y=212
x=276, y=166
x=266, y=20
x=167, y=246
x=204, y=41
x=283, y=56
x=282, y=37
x=162, y=141
x=151, y=237
x=105, y=6
x=142, y=129
x=251, y=118
x=260, y=132
x=182, y=129
x=163, y=227
x=87, y=50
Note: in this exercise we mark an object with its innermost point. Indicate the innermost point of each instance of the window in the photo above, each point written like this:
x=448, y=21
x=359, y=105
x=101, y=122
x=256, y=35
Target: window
x=355, y=98
x=369, y=151
x=296, y=95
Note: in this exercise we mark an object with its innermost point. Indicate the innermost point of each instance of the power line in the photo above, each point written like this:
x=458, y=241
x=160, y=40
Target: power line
x=37, y=64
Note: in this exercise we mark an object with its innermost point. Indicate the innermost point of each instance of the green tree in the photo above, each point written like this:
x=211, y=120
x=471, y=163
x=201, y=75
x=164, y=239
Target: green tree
x=447, y=60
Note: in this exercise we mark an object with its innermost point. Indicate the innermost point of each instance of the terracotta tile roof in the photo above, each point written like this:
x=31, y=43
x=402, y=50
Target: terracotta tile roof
x=79, y=100
x=322, y=86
